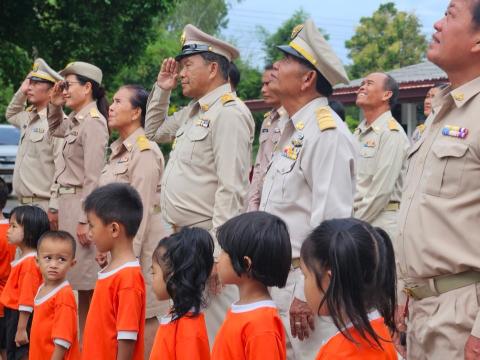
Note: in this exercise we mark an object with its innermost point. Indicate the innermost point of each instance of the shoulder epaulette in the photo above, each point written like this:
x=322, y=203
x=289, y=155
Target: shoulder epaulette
x=143, y=143
x=94, y=113
x=421, y=128
x=393, y=125
x=267, y=114
x=225, y=99
x=29, y=109
x=325, y=119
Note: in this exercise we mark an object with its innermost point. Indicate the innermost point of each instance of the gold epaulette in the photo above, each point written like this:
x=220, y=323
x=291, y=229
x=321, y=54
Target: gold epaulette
x=94, y=113
x=267, y=114
x=143, y=143
x=393, y=125
x=325, y=119
x=421, y=128
x=225, y=99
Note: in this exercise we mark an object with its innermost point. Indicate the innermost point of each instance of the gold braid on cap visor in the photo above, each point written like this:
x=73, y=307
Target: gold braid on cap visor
x=304, y=53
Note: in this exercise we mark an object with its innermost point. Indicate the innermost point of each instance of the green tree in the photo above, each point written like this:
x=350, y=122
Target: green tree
x=387, y=40
x=282, y=36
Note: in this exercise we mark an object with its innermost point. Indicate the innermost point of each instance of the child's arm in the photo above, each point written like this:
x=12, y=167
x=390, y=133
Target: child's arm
x=58, y=352
x=125, y=349
x=21, y=337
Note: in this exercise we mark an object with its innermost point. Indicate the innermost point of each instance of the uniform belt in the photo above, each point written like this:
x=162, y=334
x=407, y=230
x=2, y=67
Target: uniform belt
x=62, y=190
x=295, y=263
x=393, y=206
x=442, y=284
x=24, y=200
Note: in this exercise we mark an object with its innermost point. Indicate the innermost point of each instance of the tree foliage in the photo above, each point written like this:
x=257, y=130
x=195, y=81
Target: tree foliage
x=387, y=40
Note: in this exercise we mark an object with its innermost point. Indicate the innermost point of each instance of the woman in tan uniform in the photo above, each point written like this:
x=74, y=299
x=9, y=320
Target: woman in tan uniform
x=138, y=162
x=85, y=136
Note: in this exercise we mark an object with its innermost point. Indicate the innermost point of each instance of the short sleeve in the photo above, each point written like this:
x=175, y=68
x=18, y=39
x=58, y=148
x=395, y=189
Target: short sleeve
x=129, y=315
x=29, y=281
x=266, y=346
x=65, y=320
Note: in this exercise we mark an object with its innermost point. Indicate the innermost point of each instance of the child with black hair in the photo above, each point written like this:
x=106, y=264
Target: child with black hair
x=7, y=254
x=27, y=224
x=349, y=269
x=182, y=264
x=116, y=318
x=256, y=253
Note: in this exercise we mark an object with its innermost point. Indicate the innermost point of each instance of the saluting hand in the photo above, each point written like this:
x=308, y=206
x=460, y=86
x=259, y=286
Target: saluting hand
x=56, y=94
x=167, y=77
x=25, y=85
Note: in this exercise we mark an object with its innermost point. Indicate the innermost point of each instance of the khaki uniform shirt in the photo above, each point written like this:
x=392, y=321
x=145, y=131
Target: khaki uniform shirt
x=37, y=150
x=270, y=133
x=83, y=153
x=206, y=177
x=439, y=220
x=383, y=149
x=312, y=175
x=138, y=162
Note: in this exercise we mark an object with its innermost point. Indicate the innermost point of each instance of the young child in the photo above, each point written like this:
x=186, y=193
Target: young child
x=27, y=224
x=116, y=319
x=256, y=253
x=349, y=270
x=181, y=266
x=7, y=254
x=54, y=326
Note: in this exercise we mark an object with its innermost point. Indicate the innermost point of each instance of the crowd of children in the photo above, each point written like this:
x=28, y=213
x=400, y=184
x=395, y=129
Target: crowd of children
x=348, y=266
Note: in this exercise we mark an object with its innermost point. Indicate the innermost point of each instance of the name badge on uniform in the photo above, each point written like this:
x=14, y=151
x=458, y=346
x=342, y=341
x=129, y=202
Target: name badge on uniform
x=38, y=130
x=455, y=131
x=276, y=130
x=123, y=159
x=370, y=144
x=203, y=123
x=264, y=130
x=297, y=141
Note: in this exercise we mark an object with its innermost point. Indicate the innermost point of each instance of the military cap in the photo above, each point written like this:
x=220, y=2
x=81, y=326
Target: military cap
x=307, y=43
x=195, y=41
x=81, y=68
x=42, y=72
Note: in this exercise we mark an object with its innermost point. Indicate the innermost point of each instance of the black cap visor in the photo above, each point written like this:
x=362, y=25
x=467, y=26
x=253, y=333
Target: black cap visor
x=286, y=49
x=192, y=49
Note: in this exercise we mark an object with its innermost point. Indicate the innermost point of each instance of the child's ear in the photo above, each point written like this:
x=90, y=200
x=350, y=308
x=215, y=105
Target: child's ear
x=73, y=263
x=247, y=263
x=115, y=229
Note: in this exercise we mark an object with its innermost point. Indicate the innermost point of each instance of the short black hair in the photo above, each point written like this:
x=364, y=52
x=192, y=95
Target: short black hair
x=269, y=66
x=138, y=99
x=234, y=75
x=34, y=222
x=117, y=202
x=262, y=237
x=59, y=235
x=4, y=192
x=322, y=85
x=391, y=84
x=222, y=62
x=186, y=259
x=338, y=107
x=363, y=276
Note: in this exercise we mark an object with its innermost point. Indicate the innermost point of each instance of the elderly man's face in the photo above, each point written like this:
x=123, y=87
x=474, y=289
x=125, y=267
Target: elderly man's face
x=195, y=76
x=287, y=76
x=372, y=92
x=268, y=95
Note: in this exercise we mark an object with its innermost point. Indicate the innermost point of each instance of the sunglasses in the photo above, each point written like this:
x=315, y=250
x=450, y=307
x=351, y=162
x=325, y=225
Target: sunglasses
x=65, y=85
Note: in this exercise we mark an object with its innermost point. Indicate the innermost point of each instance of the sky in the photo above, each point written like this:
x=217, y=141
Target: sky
x=338, y=18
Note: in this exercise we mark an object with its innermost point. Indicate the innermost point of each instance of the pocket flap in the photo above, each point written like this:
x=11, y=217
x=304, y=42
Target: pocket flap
x=197, y=133
x=455, y=150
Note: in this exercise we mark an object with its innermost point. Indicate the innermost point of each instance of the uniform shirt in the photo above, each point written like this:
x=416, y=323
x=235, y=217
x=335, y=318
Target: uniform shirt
x=117, y=312
x=37, y=151
x=251, y=331
x=185, y=338
x=439, y=220
x=206, y=177
x=140, y=163
x=54, y=323
x=83, y=156
x=340, y=348
x=22, y=284
x=270, y=133
x=383, y=149
x=7, y=254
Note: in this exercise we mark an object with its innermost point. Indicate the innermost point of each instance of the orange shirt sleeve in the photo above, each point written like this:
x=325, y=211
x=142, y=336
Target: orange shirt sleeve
x=129, y=314
x=29, y=283
x=65, y=318
x=266, y=346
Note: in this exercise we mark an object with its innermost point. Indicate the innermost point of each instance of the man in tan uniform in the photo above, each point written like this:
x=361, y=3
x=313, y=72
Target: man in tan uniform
x=206, y=178
x=312, y=175
x=37, y=150
x=438, y=247
x=269, y=135
x=383, y=149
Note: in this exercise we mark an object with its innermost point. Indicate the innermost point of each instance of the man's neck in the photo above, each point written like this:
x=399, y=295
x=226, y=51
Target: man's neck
x=293, y=104
x=372, y=114
x=461, y=76
x=211, y=86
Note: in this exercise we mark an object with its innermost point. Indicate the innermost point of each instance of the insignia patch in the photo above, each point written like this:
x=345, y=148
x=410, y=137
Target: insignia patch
x=38, y=130
x=204, y=107
x=143, y=143
x=291, y=152
x=226, y=98
x=295, y=31
x=183, y=38
x=370, y=144
x=300, y=125
x=267, y=114
x=36, y=65
x=393, y=125
x=455, y=131
x=325, y=119
x=94, y=113
x=459, y=96
x=264, y=130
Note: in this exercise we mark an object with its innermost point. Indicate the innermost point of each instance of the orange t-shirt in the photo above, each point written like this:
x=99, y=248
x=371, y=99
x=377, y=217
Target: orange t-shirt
x=54, y=322
x=251, y=331
x=185, y=338
x=117, y=312
x=339, y=347
x=7, y=254
x=22, y=284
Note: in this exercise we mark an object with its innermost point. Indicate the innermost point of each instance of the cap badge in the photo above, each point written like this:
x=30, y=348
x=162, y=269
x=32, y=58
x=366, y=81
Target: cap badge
x=295, y=31
x=183, y=38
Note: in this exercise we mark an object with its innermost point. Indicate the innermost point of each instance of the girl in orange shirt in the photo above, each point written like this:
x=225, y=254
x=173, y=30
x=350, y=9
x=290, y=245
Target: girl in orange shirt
x=256, y=253
x=349, y=269
x=181, y=265
x=27, y=224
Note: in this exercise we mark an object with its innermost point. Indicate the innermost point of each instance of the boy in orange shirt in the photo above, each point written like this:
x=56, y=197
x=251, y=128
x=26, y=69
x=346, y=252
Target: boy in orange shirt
x=54, y=327
x=7, y=254
x=116, y=319
x=256, y=253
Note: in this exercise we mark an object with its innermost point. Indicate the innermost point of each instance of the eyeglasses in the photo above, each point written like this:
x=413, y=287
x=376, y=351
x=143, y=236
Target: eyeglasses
x=66, y=84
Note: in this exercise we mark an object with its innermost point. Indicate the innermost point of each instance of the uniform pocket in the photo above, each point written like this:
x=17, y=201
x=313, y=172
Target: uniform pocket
x=70, y=140
x=198, y=145
x=367, y=160
x=447, y=165
x=36, y=136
